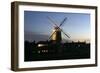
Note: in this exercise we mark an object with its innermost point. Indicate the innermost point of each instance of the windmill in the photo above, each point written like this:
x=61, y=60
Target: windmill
x=56, y=34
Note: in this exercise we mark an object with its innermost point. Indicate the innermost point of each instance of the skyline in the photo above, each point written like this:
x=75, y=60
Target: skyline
x=38, y=27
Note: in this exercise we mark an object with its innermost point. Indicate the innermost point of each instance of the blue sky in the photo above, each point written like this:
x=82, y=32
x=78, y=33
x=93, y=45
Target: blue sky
x=38, y=27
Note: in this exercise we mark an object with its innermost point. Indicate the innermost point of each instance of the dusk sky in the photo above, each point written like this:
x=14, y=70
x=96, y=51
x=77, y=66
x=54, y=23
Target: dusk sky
x=38, y=27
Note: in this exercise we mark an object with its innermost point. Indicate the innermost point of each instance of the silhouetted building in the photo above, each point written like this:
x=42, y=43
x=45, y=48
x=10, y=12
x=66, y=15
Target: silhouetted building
x=47, y=50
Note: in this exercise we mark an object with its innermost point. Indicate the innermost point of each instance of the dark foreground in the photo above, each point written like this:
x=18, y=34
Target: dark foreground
x=58, y=51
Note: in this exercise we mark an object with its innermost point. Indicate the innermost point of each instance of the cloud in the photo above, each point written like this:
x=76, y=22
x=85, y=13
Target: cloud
x=31, y=36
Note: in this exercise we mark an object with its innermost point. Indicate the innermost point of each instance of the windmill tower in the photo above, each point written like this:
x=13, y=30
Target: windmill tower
x=56, y=34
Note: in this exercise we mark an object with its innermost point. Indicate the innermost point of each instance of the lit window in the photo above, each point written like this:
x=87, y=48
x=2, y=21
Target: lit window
x=38, y=51
x=46, y=50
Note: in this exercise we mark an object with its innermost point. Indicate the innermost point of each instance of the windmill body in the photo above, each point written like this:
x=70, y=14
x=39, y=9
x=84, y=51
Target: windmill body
x=57, y=35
